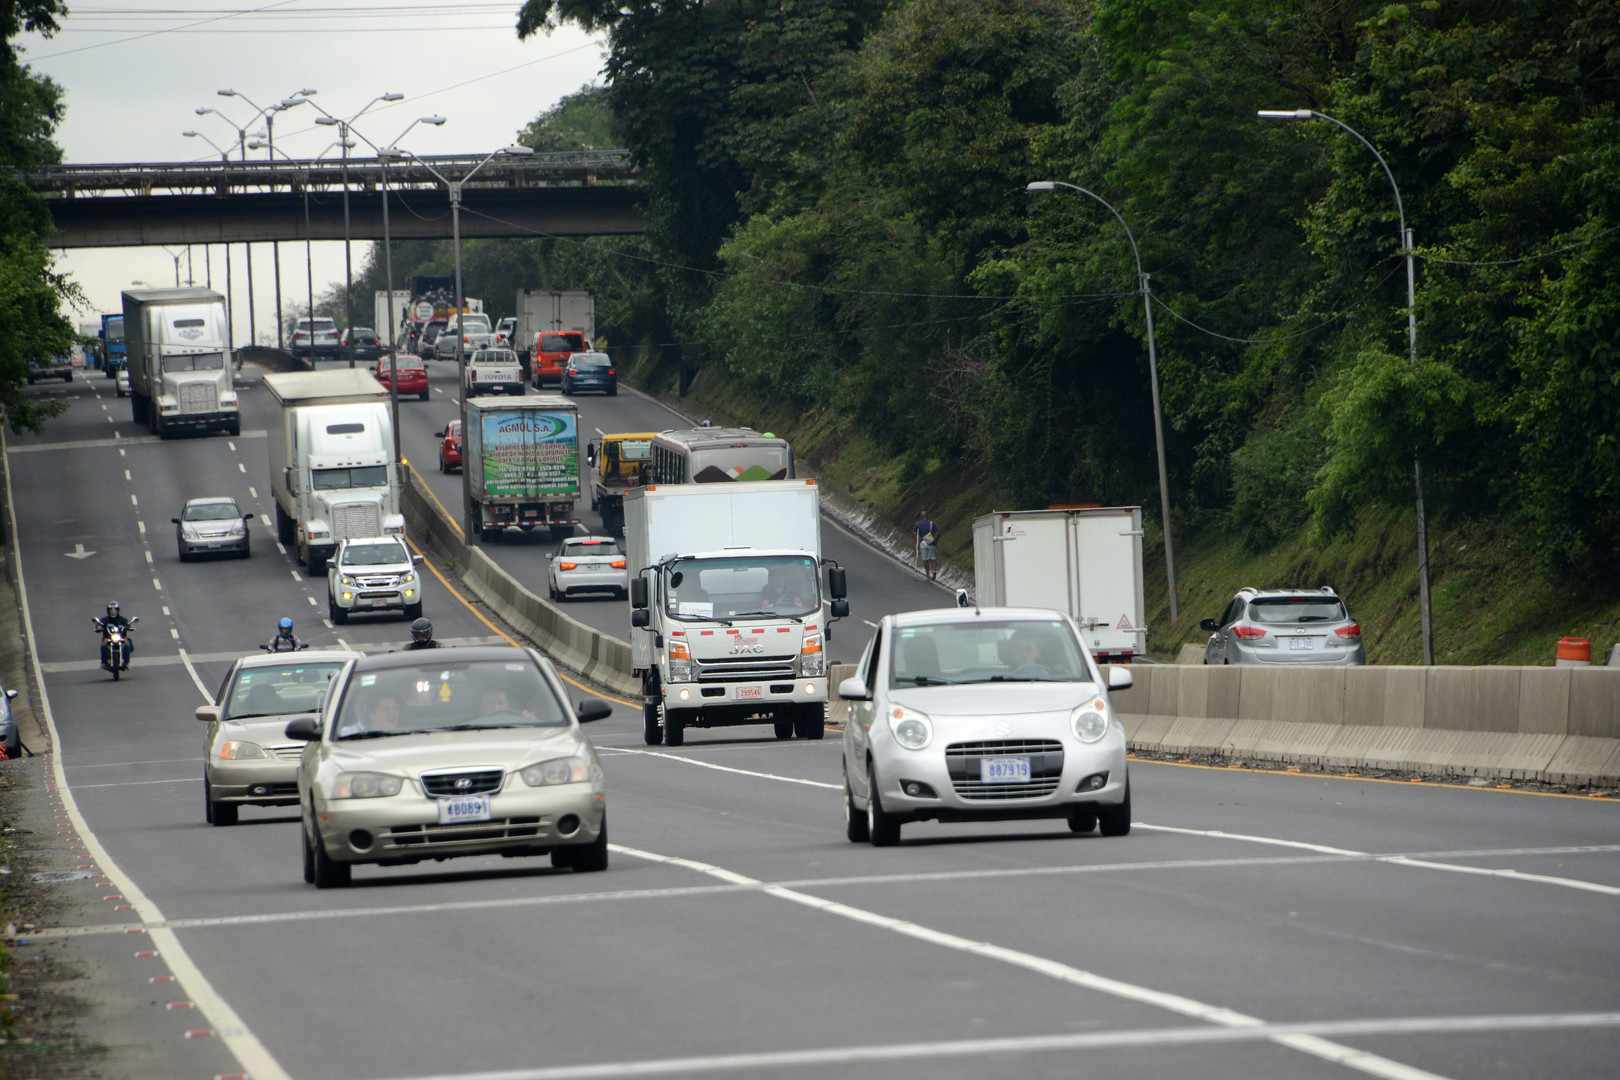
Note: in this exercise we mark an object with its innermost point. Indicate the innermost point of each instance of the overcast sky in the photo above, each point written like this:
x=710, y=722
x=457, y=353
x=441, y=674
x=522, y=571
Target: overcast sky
x=134, y=76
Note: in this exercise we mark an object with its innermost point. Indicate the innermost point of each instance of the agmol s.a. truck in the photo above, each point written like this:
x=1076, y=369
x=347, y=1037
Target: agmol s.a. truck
x=180, y=362
x=521, y=457
x=332, y=468
x=728, y=616
x=1086, y=561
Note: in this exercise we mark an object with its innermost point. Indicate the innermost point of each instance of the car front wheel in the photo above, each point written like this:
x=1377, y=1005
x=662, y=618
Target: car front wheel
x=882, y=827
x=855, y=824
x=327, y=874
x=1116, y=820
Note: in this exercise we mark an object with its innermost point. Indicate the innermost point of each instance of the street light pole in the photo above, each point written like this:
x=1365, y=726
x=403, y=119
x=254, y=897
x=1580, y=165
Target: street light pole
x=471, y=532
x=1406, y=242
x=1153, y=379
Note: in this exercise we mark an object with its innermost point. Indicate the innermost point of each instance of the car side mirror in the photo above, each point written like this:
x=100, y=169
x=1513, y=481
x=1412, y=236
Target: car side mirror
x=247, y=517
x=438, y=434
x=175, y=520
x=641, y=618
x=550, y=555
x=416, y=560
x=1208, y=624
x=836, y=586
x=592, y=708
x=840, y=609
x=638, y=593
x=854, y=689
x=208, y=714
x=1120, y=678
x=304, y=729
x=10, y=694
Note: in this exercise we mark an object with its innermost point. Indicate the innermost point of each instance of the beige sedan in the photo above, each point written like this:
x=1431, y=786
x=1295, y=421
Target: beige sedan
x=453, y=752
x=247, y=757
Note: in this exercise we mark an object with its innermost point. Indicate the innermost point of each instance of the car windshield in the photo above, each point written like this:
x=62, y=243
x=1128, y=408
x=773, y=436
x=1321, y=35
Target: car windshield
x=375, y=554
x=744, y=587
x=361, y=476
x=591, y=547
x=985, y=650
x=226, y=511
x=448, y=696
x=115, y=332
x=562, y=342
x=1296, y=609
x=203, y=361
x=276, y=691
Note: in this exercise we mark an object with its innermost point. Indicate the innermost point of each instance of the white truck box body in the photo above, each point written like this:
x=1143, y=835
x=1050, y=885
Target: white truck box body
x=521, y=456
x=388, y=329
x=1086, y=562
x=554, y=310
x=181, y=366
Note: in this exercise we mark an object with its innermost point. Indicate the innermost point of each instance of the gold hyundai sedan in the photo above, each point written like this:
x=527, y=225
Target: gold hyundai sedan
x=445, y=753
x=247, y=758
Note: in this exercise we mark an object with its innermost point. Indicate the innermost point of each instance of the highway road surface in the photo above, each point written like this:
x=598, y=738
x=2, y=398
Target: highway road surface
x=1250, y=925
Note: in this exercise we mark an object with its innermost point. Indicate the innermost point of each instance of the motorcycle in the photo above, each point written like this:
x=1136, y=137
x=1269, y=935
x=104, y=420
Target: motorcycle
x=273, y=649
x=115, y=646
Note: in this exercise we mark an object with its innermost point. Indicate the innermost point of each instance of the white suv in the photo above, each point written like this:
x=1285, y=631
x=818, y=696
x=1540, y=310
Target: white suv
x=325, y=344
x=375, y=574
x=494, y=371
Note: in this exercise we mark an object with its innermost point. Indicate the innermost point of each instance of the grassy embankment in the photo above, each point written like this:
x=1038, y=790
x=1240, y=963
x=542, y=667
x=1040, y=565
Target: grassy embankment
x=1490, y=604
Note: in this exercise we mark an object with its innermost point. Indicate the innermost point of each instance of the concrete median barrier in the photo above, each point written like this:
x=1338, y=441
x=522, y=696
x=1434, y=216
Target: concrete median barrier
x=1557, y=725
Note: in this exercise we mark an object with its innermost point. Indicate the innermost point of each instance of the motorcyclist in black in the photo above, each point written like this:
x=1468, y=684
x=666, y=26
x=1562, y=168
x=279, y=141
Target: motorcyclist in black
x=114, y=618
x=285, y=640
x=422, y=635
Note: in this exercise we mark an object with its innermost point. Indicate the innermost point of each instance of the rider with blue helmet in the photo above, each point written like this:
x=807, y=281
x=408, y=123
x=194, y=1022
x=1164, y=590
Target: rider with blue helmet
x=285, y=640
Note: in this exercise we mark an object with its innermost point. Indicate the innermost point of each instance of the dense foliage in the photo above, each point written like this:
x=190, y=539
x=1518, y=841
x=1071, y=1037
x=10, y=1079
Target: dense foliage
x=841, y=224
x=30, y=289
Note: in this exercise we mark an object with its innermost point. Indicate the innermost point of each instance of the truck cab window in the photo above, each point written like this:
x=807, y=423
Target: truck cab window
x=359, y=477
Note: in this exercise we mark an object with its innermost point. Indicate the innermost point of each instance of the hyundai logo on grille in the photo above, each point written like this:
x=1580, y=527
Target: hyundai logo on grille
x=463, y=783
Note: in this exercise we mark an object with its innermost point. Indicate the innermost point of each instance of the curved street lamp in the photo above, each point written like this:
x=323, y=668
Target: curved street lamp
x=1153, y=375
x=1406, y=244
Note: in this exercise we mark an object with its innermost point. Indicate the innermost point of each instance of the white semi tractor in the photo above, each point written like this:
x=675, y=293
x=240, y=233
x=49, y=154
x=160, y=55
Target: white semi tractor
x=1086, y=561
x=181, y=366
x=332, y=468
x=729, y=619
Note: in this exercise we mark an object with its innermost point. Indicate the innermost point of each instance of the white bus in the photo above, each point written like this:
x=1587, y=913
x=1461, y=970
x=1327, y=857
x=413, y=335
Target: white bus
x=713, y=455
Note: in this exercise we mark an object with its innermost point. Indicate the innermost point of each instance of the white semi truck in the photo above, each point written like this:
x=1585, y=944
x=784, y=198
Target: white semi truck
x=181, y=365
x=332, y=468
x=729, y=620
x=1086, y=561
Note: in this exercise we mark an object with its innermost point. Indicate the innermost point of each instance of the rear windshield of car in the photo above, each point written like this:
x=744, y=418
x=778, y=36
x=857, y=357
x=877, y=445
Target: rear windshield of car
x=562, y=342
x=321, y=325
x=275, y=691
x=448, y=696
x=589, y=360
x=403, y=362
x=211, y=512
x=1296, y=609
x=982, y=651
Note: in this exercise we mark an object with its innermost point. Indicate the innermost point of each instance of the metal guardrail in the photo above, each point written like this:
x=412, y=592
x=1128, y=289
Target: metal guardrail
x=220, y=177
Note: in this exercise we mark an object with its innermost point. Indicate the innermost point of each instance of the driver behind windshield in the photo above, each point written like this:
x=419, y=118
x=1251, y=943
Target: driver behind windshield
x=447, y=697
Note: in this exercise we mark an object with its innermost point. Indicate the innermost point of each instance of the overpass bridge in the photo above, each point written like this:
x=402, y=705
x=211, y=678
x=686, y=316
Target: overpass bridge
x=571, y=193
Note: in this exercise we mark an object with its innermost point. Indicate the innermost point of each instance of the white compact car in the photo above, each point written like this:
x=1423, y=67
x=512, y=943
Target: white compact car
x=494, y=371
x=375, y=574
x=587, y=564
x=982, y=715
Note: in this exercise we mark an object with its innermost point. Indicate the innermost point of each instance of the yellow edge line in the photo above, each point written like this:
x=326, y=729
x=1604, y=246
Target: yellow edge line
x=1370, y=779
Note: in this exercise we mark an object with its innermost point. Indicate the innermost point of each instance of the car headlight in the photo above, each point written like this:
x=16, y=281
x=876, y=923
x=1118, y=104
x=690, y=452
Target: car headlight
x=680, y=662
x=239, y=529
x=912, y=729
x=345, y=579
x=1090, y=720
x=812, y=661
x=366, y=785
x=240, y=751
x=566, y=770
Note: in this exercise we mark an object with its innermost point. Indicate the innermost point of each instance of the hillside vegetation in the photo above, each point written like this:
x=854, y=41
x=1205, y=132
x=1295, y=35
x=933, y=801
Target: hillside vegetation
x=843, y=244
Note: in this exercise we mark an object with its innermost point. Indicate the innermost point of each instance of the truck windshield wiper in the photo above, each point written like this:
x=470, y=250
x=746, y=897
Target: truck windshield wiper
x=478, y=727
x=772, y=614
x=923, y=680
x=724, y=621
x=373, y=735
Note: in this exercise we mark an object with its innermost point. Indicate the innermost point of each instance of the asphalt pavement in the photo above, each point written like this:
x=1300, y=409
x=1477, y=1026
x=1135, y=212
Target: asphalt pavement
x=1251, y=925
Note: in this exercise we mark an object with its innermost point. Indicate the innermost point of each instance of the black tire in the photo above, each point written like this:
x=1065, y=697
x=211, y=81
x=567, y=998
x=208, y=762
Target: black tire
x=613, y=391
x=68, y=377
x=235, y=429
x=327, y=874
x=855, y=824
x=309, y=855
x=1116, y=820
x=208, y=802
x=115, y=670
x=183, y=556
x=784, y=728
x=589, y=858
x=286, y=527
x=30, y=380
x=651, y=732
x=413, y=612
x=315, y=563
x=338, y=615
x=674, y=727
x=219, y=813
x=247, y=549
x=423, y=396
x=882, y=827
x=1082, y=821
x=811, y=723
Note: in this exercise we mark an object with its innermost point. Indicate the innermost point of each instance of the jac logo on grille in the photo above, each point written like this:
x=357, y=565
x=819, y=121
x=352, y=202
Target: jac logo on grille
x=747, y=647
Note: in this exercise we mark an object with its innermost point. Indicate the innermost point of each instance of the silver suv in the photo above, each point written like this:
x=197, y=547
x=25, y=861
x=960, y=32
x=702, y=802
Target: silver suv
x=1284, y=626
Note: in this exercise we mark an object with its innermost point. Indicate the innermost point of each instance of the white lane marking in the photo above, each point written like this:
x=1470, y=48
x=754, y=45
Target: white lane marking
x=253, y=492
x=165, y=609
x=127, y=476
x=141, y=783
x=121, y=452
x=297, y=578
x=328, y=623
x=265, y=518
x=1394, y=860
x=148, y=556
x=1371, y=1064
x=141, y=525
x=870, y=623
x=730, y=769
x=231, y=444
x=279, y=547
x=1025, y=1044
x=249, y=1052
x=174, y=633
x=133, y=501
x=241, y=466
x=156, y=584
x=312, y=601
x=344, y=644
x=185, y=658
x=110, y=420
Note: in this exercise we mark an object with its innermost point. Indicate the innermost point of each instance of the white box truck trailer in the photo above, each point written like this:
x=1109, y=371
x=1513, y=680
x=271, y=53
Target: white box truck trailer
x=181, y=366
x=389, y=324
x=1086, y=561
x=552, y=311
x=522, y=463
x=728, y=617
x=332, y=468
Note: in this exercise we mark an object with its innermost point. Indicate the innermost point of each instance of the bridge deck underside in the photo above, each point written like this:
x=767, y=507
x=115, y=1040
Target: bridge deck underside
x=416, y=214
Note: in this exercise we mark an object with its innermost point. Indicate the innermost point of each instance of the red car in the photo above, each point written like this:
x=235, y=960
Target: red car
x=413, y=376
x=449, y=446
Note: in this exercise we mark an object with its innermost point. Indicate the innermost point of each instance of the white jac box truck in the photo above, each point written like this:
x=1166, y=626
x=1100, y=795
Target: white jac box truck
x=1086, y=561
x=332, y=468
x=180, y=361
x=728, y=617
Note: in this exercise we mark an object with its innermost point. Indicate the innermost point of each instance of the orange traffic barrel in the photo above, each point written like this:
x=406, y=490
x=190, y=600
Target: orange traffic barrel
x=1574, y=652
